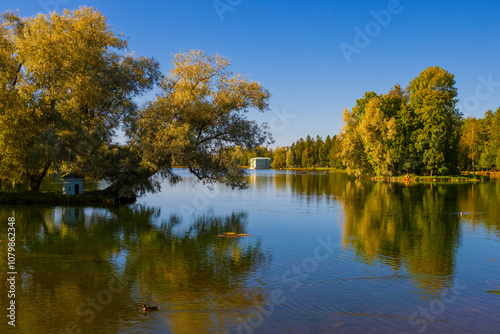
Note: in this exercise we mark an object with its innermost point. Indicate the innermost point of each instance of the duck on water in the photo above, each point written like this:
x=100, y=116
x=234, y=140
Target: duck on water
x=149, y=308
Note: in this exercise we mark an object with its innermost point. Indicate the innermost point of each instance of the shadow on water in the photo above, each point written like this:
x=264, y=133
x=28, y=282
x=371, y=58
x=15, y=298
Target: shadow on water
x=91, y=268
x=410, y=226
x=405, y=227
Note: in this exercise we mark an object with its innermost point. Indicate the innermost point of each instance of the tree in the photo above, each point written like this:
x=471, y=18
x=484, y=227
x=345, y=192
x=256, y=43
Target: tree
x=359, y=109
x=432, y=97
x=121, y=167
x=471, y=140
x=304, y=158
x=67, y=85
x=318, y=145
x=377, y=132
x=307, y=158
x=290, y=157
x=416, y=130
x=334, y=155
x=491, y=143
x=405, y=144
x=353, y=150
x=394, y=106
x=299, y=148
x=324, y=150
x=279, y=158
x=243, y=159
x=199, y=113
x=263, y=151
x=498, y=159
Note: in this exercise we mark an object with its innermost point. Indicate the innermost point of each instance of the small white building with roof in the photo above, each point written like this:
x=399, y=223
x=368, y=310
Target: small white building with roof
x=260, y=163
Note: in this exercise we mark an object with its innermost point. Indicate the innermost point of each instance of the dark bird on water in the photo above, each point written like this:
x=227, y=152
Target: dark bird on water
x=149, y=308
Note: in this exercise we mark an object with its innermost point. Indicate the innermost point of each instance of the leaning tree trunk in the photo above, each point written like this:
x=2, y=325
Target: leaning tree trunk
x=37, y=178
x=35, y=183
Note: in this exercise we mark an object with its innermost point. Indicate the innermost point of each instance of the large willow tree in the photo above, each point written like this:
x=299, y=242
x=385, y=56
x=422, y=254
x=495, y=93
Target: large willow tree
x=198, y=116
x=67, y=83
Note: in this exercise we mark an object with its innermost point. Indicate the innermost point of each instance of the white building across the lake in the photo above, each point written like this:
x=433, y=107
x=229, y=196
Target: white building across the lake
x=260, y=163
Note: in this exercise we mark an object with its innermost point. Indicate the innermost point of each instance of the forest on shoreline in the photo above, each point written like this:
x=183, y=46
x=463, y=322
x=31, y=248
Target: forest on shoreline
x=68, y=83
x=416, y=131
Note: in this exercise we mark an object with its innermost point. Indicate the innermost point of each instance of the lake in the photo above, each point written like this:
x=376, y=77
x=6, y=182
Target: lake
x=312, y=253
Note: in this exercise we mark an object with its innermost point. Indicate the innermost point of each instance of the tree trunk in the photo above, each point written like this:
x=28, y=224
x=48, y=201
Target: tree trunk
x=35, y=184
x=36, y=179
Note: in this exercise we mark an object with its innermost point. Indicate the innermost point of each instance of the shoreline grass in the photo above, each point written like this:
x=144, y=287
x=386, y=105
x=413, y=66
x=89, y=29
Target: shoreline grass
x=325, y=169
x=427, y=178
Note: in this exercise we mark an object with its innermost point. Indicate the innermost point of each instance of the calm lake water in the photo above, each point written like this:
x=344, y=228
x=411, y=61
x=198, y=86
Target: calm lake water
x=327, y=254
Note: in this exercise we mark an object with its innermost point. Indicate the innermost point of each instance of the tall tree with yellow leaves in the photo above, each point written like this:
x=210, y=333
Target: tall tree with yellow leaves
x=67, y=84
x=199, y=113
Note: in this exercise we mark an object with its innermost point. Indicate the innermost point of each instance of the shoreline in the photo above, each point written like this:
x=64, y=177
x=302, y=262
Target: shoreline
x=51, y=197
x=426, y=178
x=102, y=197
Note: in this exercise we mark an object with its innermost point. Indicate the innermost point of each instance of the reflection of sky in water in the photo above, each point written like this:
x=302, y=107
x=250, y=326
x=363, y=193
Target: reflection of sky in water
x=86, y=216
x=263, y=198
x=392, y=250
x=119, y=260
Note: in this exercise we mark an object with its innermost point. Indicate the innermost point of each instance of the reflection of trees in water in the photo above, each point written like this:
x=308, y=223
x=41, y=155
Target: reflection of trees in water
x=196, y=256
x=416, y=227
x=192, y=269
x=72, y=254
x=316, y=187
x=480, y=204
x=61, y=265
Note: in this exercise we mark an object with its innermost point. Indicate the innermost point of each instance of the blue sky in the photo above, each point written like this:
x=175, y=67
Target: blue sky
x=294, y=48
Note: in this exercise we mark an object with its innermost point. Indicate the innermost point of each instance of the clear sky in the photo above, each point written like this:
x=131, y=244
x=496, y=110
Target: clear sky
x=317, y=57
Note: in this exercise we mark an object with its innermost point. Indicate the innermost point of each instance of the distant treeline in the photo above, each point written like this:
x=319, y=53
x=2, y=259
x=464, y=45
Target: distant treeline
x=417, y=130
x=302, y=153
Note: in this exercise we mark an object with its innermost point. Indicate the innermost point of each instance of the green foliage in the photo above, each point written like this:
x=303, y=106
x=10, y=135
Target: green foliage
x=471, y=142
x=279, y=158
x=67, y=85
x=498, y=159
x=489, y=148
x=198, y=115
x=290, y=158
x=377, y=132
x=432, y=97
x=359, y=109
x=121, y=167
x=412, y=131
x=311, y=152
x=353, y=151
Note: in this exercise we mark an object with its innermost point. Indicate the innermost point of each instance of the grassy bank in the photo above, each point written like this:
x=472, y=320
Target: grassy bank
x=445, y=178
x=51, y=197
x=321, y=169
x=491, y=175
